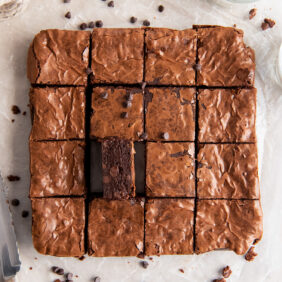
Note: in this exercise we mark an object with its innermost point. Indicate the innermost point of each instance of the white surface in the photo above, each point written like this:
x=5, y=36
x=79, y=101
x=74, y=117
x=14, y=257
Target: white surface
x=15, y=37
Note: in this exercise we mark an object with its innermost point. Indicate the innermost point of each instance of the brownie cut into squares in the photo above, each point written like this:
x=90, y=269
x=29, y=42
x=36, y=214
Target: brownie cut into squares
x=170, y=56
x=57, y=113
x=223, y=58
x=169, y=226
x=58, y=226
x=170, y=169
x=227, y=115
x=117, y=55
x=170, y=114
x=228, y=224
x=57, y=168
x=118, y=168
x=116, y=227
x=59, y=57
x=117, y=112
x=228, y=171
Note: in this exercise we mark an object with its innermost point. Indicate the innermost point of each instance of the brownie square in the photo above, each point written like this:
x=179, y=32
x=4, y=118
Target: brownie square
x=57, y=113
x=228, y=171
x=58, y=226
x=118, y=168
x=227, y=115
x=117, y=112
x=170, y=170
x=170, y=114
x=117, y=55
x=228, y=224
x=57, y=168
x=224, y=59
x=116, y=227
x=171, y=56
x=59, y=57
x=169, y=226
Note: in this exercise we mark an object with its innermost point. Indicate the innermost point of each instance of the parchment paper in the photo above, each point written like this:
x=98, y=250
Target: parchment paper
x=15, y=37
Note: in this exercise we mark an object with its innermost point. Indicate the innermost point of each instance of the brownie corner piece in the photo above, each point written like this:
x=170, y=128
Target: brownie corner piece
x=118, y=174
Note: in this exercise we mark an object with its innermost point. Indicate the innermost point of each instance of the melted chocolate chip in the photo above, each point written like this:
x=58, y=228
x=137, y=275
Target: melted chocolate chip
x=133, y=20
x=99, y=23
x=13, y=178
x=111, y=4
x=161, y=8
x=15, y=202
x=165, y=135
x=124, y=115
x=15, y=109
x=104, y=95
x=25, y=214
x=91, y=24
x=68, y=15
x=83, y=26
x=146, y=23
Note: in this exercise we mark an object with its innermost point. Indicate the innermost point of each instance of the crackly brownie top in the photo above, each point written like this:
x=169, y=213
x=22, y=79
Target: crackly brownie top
x=116, y=227
x=171, y=56
x=227, y=115
x=59, y=57
x=224, y=59
x=117, y=55
x=57, y=113
x=169, y=226
x=58, y=226
x=228, y=171
x=170, y=170
x=57, y=168
x=231, y=224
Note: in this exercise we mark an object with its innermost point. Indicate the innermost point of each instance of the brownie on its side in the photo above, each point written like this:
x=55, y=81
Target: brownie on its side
x=227, y=115
x=59, y=57
x=116, y=227
x=170, y=114
x=117, y=55
x=58, y=226
x=228, y=224
x=170, y=170
x=228, y=171
x=117, y=112
x=118, y=168
x=170, y=56
x=169, y=226
x=57, y=113
x=57, y=168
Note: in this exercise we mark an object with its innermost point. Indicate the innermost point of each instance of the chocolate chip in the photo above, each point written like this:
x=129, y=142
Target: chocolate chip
x=146, y=23
x=144, y=136
x=15, y=109
x=12, y=120
x=127, y=104
x=129, y=97
x=252, y=13
x=24, y=113
x=161, y=8
x=88, y=71
x=68, y=15
x=69, y=276
x=83, y=26
x=270, y=22
x=111, y=4
x=25, y=214
x=15, y=202
x=165, y=135
x=197, y=67
x=104, y=95
x=97, y=279
x=145, y=264
x=264, y=26
x=13, y=178
x=251, y=254
x=133, y=20
x=56, y=269
x=124, y=115
x=91, y=24
x=226, y=271
x=99, y=23
x=181, y=270
x=67, y=1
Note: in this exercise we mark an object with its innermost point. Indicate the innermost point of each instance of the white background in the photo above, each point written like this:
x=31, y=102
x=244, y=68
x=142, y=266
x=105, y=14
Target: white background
x=15, y=37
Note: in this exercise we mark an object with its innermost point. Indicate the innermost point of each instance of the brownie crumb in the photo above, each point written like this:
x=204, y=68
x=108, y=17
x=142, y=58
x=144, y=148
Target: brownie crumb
x=264, y=26
x=226, y=271
x=150, y=258
x=161, y=8
x=91, y=24
x=251, y=254
x=270, y=22
x=15, y=202
x=57, y=280
x=133, y=19
x=146, y=23
x=144, y=264
x=181, y=270
x=219, y=280
x=97, y=279
x=252, y=13
x=68, y=15
x=25, y=214
x=111, y=4
x=82, y=258
x=99, y=23
x=30, y=268
x=24, y=113
x=58, y=270
x=83, y=26
x=13, y=178
x=67, y=1
x=16, y=110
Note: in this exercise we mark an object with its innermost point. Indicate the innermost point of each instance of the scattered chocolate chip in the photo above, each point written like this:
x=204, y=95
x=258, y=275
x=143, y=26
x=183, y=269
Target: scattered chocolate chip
x=124, y=115
x=25, y=214
x=67, y=1
x=15, y=202
x=161, y=8
x=270, y=22
x=58, y=270
x=24, y=113
x=133, y=19
x=81, y=258
x=144, y=136
x=219, y=280
x=226, y=271
x=104, y=95
x=127, y=104
x=197, y=67
x=181, y=270
x=146, y=23
x=111, y=4
x=68, y=15
x=13, y=178
x=165, y=135
x=15, y=109
x=97, y=279
x=88, y=71
x=12, y=120
x=251, y=254
x=264, y=26
x=83, y=26
x=91, y=24
x=252, y=13
x=99, y=23
x=144, y=263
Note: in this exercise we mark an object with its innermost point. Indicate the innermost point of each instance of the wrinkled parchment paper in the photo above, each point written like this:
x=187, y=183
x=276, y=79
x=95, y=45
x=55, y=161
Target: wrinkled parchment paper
x=15, y=37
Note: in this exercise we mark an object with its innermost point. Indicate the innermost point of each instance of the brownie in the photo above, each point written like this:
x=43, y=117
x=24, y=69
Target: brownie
x=58, y=226
x=57, y=168
x=118, y=168
x=59, y=57
x=224, y=59
x=228, y=171
x=170, y=170
x=117, y=55
x=227, y=115
x=170, y=114
x=228, y=224
x=57, y=113
x=170, y=56
x=117, y=112
x=116, y=227
x=169, y=226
